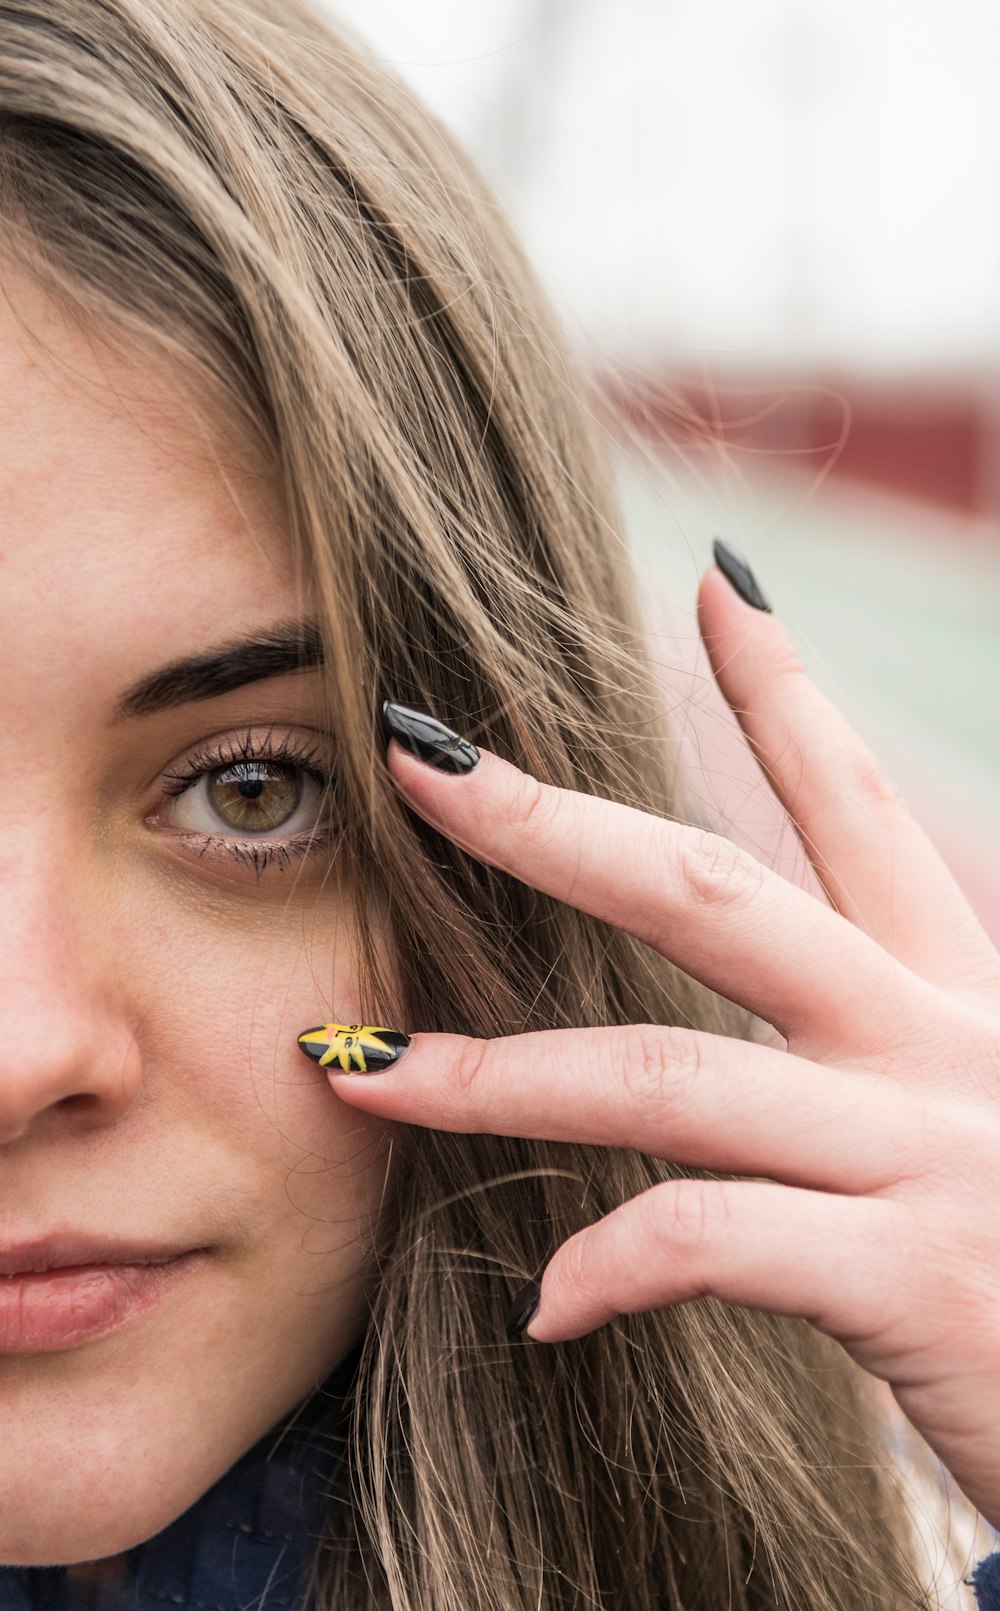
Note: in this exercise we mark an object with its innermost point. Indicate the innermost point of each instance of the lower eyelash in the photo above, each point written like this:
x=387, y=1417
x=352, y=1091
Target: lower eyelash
x=260, y=856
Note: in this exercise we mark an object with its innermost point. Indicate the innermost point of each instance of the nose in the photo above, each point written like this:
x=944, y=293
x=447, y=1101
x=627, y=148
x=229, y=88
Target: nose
x=68, y=1060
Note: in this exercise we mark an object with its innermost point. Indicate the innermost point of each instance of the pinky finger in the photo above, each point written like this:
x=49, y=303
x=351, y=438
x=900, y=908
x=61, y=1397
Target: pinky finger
x=835, y=1261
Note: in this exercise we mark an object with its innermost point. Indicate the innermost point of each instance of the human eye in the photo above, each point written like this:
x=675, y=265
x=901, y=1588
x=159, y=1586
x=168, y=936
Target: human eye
x=264, y=799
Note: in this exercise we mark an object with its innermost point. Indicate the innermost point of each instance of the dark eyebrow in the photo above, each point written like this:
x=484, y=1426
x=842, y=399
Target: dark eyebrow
x=287, y=646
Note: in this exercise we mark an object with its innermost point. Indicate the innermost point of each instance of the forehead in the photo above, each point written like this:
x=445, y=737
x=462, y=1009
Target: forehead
x=126, y=497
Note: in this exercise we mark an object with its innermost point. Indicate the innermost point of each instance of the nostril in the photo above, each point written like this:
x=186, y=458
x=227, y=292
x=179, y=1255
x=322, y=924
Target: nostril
x=80, y=1109
x=63, y=1080
x=80, y=1105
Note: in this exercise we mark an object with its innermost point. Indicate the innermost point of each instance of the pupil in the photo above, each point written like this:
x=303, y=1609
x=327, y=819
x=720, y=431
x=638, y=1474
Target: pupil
x=251, y=788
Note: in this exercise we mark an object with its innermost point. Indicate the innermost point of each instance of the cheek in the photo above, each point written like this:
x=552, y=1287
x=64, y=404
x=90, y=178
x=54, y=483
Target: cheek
x=221, y=999
x=235, y=1141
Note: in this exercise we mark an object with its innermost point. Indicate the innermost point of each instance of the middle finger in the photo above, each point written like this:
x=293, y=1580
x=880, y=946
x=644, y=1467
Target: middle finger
x=694, y=896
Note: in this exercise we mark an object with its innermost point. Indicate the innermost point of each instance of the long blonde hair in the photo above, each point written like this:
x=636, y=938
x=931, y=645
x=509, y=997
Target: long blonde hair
x=236, y=182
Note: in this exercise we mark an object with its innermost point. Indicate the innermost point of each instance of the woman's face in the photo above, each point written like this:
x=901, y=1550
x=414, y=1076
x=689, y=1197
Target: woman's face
x=154, y=978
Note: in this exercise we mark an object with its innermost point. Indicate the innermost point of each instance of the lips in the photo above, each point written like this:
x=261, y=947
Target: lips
x=71, y=1249
x=65, y=1289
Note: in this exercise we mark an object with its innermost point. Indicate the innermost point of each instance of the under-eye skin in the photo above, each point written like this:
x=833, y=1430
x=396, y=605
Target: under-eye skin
x=254, y=798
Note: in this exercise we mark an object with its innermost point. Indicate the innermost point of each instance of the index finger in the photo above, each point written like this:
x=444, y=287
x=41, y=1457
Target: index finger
x=694, y=896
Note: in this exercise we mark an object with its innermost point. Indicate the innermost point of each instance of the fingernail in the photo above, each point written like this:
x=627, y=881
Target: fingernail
x=428, y=739
x=353, y=1048
x=739, y=575
x=523, y=1307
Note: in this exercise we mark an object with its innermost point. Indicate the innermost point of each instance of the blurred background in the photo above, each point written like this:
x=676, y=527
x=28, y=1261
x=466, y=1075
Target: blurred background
x=773, y=232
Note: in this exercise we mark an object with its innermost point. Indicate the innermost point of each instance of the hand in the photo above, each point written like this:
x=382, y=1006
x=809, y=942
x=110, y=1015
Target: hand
x=878, y=1128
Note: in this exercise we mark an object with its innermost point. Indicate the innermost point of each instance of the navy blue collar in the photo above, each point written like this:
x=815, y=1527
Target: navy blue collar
x=244, y=1545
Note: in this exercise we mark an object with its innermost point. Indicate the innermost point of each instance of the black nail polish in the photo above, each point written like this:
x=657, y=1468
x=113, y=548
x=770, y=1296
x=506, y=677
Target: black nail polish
x=428, y=739
x=523, y=1307
x=739, y=575
x=353, y=1048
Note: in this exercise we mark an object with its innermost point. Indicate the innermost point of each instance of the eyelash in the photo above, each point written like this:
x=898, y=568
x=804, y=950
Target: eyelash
x=257, y=856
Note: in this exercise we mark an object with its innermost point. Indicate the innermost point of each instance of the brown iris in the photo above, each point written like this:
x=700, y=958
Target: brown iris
x=256, y=796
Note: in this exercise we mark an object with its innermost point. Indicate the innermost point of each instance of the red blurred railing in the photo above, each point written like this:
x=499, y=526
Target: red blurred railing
x=930, y=440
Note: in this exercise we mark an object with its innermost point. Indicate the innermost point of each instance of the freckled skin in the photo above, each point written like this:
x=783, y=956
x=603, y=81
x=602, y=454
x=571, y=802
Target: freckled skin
x=150, y=1080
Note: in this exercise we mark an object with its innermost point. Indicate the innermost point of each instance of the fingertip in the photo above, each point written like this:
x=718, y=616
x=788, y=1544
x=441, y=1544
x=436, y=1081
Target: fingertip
x=730, y=628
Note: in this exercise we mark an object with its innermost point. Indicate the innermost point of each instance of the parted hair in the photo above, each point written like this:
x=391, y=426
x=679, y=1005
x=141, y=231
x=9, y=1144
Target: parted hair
x=239, y=184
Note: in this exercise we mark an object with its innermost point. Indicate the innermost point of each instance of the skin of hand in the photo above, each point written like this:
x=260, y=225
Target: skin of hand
x=876, y=1127
x=152, y=986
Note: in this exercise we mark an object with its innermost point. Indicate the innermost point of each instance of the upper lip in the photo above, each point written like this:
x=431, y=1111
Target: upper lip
x=63, y=1250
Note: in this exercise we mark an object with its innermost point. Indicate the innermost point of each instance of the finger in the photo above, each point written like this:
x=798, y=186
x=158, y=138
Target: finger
x=875, y=862
x=709, y=1101
x=712, y=908
x=834, y=1261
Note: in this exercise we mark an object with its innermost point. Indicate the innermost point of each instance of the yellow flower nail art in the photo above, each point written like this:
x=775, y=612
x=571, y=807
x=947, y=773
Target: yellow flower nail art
x=353, y=1048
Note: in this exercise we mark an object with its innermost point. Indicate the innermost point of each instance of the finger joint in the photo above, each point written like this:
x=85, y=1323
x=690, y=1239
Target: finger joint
x=467, y=1069
x=687, y=1214
x=533, y=809
x=662, y=1069
x=715, y=872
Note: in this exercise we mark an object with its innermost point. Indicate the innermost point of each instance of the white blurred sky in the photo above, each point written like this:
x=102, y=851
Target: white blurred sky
x=754, y=185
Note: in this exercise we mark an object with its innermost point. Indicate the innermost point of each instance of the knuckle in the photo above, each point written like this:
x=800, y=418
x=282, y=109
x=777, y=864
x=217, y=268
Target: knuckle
x=468, y=1069
x=662, y=1068
x=715, y=872
x=869, y=781
x=532, y=809
x=687, y=1213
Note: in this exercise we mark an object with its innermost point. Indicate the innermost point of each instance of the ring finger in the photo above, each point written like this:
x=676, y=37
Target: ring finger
x=709, y=1101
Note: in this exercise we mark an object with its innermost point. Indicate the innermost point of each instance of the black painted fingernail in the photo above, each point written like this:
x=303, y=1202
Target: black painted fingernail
x=739, y=575
x=428, y=739
x=523, y=1307
x=353, y=1048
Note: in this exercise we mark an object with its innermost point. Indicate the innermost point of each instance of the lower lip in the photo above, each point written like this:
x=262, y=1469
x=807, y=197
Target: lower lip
x=64, y=1308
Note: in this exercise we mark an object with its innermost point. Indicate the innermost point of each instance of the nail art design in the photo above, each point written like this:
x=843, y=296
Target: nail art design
x=354, y=1048
x=739, y=576
x=428, y=739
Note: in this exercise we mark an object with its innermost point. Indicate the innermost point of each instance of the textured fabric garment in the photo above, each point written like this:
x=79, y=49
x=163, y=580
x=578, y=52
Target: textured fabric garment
x=986, y=1582
x=245, y=1545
